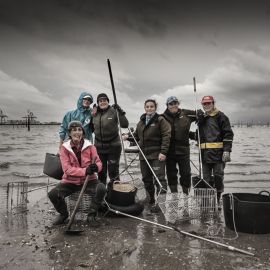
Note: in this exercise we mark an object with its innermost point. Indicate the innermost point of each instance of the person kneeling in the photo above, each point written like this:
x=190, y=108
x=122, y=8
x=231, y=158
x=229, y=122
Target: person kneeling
x=77, y=156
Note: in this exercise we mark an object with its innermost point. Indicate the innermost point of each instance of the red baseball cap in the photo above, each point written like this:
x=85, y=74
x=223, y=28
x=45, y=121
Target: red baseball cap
x=207, y=99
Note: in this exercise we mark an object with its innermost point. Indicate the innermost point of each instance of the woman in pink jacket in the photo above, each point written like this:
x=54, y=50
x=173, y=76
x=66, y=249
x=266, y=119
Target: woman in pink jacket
x=77, y=155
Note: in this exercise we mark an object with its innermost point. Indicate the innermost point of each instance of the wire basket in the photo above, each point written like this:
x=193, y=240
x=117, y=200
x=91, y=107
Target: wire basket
x=199, y=203
x=17, y=196
x=84, y=205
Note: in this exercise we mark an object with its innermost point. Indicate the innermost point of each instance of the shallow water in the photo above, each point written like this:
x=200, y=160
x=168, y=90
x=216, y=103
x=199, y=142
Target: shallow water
x=23, y=154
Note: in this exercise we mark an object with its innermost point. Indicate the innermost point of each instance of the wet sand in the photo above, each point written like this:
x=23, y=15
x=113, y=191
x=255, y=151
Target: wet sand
x=28, y=241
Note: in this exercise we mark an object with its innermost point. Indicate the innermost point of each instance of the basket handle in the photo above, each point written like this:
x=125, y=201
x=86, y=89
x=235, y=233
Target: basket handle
x=117, y=182
x=264, y=191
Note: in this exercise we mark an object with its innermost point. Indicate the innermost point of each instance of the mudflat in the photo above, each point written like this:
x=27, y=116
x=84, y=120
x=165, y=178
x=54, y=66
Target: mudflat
x=29, y=241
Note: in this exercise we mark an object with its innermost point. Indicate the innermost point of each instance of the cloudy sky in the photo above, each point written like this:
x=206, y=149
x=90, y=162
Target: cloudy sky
x=51, y=51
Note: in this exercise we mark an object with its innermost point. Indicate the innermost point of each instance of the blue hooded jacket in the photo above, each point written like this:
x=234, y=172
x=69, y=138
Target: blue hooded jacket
x=81, y=114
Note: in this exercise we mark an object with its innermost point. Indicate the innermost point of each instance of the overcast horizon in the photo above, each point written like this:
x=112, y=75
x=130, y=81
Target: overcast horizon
x=52, y=51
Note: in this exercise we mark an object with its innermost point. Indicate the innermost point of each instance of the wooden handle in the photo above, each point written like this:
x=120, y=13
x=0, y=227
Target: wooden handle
x=80, y=198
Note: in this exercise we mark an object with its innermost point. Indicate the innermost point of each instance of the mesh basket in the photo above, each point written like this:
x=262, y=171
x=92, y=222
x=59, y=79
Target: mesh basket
x=201, y=202
x=17, y=196
x=84, y=205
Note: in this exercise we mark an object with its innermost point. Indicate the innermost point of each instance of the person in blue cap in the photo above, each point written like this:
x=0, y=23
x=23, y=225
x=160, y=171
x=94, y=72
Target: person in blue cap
x=179, y=152
x=83, y=114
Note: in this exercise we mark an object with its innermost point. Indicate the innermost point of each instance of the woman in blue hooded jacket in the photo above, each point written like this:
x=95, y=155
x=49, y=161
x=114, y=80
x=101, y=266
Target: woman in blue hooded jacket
x=83, y=114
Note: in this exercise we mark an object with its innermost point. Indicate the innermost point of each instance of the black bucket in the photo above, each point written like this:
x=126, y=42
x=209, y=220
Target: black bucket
x=53, y=167
x=251, y=212
x=120, y=198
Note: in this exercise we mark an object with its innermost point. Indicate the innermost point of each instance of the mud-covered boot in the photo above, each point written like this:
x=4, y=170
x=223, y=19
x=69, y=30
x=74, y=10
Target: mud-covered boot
x=218, y=200
x=91, y=220
x=173, y=189
x=185, y=190
x=60, y=219
x=152, y=196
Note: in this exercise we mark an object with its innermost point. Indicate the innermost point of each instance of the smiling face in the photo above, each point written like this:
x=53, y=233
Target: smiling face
x=173, y=107
x=76, y=135
x=86, y=102
x=103, y=103
x=150, y=108
x=208, y=107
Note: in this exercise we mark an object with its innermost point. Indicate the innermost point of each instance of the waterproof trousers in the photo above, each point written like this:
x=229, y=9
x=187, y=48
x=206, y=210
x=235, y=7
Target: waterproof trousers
x=148, y=178
x=217, y=170
x=110, y=158
x=94, y=188
x=183, y=162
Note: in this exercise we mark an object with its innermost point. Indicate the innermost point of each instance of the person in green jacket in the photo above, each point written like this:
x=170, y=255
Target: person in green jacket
x=179, y=152
x=153, y=133
x=107, y=140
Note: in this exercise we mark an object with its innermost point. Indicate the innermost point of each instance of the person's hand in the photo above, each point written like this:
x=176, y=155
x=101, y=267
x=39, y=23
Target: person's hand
x=94, y=112
x=125, y=137
x=91, y=169
x=200, y=117
x=226, y=157
x=161, y=157
x=118, y=108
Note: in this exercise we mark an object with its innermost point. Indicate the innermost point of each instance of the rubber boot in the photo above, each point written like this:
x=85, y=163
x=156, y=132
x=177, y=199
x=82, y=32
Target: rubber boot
x=218, y=200
x=173, y=189
x=152, y=196
x=60, y=219
x=185, y=190
x=91, y=220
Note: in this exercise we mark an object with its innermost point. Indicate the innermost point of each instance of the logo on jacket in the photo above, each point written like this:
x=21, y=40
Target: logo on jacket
x=87, y=121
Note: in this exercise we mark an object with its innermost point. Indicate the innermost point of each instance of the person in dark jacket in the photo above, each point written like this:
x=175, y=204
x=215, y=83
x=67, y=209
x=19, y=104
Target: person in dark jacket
x=107, y=139
x=153, y=133
x=216, y=137
x=179, y=152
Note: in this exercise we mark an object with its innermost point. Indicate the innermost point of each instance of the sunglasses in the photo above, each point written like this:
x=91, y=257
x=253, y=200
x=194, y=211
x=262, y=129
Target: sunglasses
x=88, y=99
x=207, y=103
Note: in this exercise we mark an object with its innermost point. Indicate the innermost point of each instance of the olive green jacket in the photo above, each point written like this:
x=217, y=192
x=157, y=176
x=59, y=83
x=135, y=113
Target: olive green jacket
x=180, y=125
x=105, y=127
x=154, y=138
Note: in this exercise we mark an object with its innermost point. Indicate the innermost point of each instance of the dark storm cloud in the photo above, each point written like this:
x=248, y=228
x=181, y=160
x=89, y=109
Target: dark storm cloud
x=58, y=48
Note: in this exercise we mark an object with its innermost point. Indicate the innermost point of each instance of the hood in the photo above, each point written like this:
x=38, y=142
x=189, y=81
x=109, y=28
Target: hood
x=80, y=100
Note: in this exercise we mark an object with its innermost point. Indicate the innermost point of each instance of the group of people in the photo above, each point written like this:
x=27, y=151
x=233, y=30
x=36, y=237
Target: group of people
x=163, y=140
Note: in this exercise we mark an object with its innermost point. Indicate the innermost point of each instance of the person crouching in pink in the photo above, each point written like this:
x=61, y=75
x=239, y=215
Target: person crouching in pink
x=77, y=155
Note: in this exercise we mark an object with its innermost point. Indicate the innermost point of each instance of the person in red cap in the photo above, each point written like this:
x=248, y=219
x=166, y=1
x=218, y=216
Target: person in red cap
x=216, y=137
x=107, y=139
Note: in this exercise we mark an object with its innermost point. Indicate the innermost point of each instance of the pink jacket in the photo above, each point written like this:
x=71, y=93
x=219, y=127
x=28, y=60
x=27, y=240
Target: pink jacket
x=73, y=172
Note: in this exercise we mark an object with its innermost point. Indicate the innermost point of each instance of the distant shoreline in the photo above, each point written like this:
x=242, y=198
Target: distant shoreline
x=23, y=124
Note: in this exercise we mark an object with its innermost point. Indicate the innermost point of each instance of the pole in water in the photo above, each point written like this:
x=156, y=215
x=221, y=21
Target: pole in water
x=28, y=120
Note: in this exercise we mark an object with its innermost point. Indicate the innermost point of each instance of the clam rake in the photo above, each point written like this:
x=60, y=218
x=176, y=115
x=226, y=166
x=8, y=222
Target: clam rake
x=182, y=232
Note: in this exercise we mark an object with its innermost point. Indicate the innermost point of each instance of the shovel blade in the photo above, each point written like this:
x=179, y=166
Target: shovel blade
x=73, y=232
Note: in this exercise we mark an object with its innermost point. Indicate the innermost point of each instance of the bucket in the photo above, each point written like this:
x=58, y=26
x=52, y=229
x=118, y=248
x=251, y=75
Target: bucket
x=250, y=212
x=120, y=198
x=53, y=167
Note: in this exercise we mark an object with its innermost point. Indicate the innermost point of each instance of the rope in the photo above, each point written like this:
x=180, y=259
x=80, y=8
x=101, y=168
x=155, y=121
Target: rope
x=219, y=228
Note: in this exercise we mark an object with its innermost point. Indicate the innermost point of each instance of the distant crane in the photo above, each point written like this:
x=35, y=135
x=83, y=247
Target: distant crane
x=2, y=115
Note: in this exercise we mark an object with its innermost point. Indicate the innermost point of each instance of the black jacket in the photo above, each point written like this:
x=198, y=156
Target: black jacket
x=180, y=125
x=216, y=136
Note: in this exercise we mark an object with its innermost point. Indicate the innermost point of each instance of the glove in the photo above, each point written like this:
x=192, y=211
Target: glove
x=200, y=118
x=91, y=169
x=226, y=157
x=118, y=108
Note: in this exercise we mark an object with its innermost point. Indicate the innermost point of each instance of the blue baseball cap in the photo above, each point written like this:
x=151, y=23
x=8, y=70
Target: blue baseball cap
x=171, y=99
